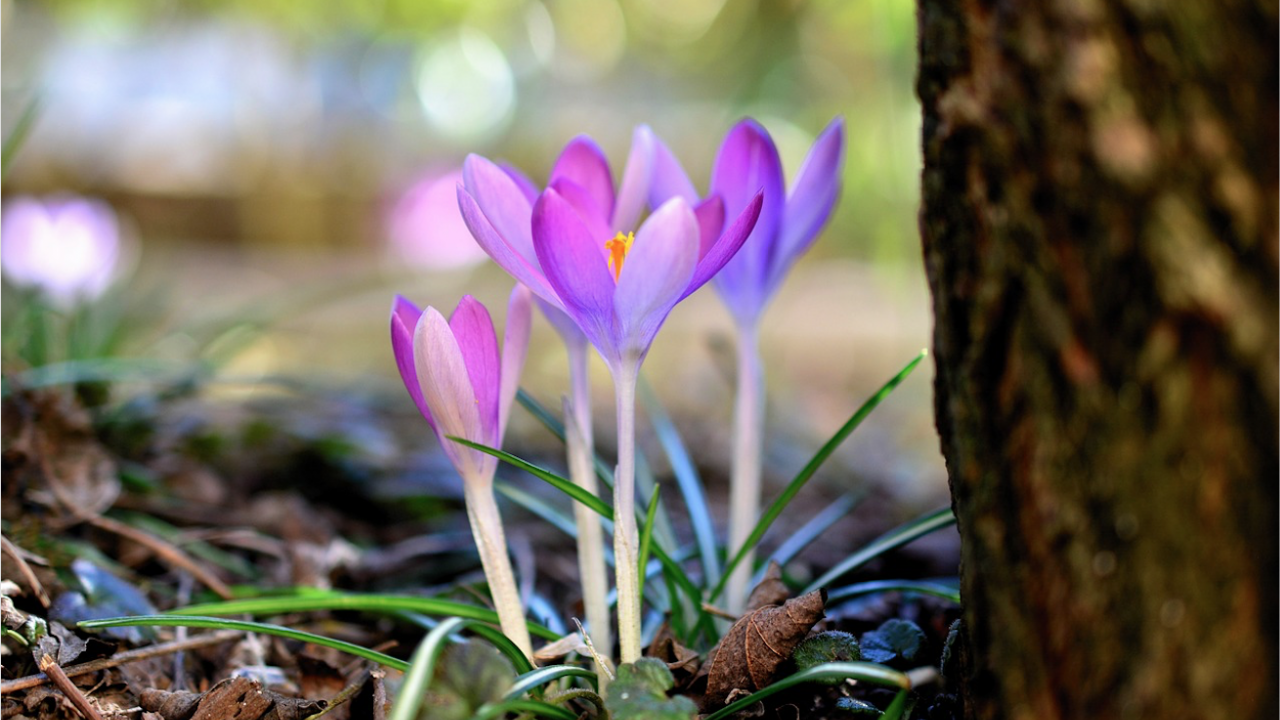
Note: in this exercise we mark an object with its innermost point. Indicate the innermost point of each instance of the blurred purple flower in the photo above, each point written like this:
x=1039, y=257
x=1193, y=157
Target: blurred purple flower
x=68, y=247
x=572, y=244
x=789, y=221
x=456, y=376
x=425, y=228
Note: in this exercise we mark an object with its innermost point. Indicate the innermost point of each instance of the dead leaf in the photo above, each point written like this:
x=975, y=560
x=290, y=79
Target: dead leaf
x=679, y=659
x=236, y=698
x=556, y=649
x=770, y=591
x=749, y=655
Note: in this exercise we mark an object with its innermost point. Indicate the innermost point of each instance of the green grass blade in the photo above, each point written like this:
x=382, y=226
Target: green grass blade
x=809, y=532
x=422, y=668
x=544, y=675
x=896, y=537
x=246, y=626
x=869, y=672
x=553, y=423
x=343, y=601
x=646, y=538
x=923, y=587
x=537, y=506
x=896, y=708
x=688, y=481
x=504, y=644
x=775, y=509
x=536, y=708
x=564, y=485
x=558, y=519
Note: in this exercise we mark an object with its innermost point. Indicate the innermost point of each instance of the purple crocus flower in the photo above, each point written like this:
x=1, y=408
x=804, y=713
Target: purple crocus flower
x=456, y=376
x=464, y=387
x=573, y=247
x=790, y=219
x=748, y=165
x=68, y=246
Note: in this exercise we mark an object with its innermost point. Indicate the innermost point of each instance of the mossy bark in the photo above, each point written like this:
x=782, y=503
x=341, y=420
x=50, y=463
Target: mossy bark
x=1099, y=229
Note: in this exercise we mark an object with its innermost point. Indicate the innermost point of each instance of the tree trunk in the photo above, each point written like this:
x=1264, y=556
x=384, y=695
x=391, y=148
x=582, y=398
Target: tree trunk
x=1100, y=233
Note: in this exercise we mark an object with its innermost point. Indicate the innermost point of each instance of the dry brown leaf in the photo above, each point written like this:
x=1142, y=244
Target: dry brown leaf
x=770, y=590
x=749, y=655
x=236, y=698
x=679, y=659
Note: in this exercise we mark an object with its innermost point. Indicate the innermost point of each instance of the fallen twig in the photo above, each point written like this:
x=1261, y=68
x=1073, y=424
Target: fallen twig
x=68, y=688
x=30, y=681
x=166, y=551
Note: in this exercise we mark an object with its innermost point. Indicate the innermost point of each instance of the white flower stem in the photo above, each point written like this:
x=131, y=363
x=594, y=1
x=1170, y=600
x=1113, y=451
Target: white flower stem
x=491, y=542
x=591, y=566
x=748, y=445
x=626, y=538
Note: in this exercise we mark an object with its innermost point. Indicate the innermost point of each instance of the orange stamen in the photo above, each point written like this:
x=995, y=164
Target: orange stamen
x=618, y=248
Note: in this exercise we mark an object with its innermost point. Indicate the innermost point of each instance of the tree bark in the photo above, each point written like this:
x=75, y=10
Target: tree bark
x=1099, y=225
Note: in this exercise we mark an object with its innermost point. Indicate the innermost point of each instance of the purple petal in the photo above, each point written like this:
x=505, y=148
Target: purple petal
x=446, y=388
x=710, y=214
x=473, y=330
x=729, y=244
x=523, y=269
x=655, y=274
x=502, y=201
x=669, y=179
x=590, y=214
x=584, y=163
x=809, y=203
x=404, y=318
x=748, y=163
x=515, y=344
x=575, y=267
x=528, y=187
x=634, y=189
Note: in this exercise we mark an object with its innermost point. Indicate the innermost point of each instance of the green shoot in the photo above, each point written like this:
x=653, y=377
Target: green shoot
x=246, y=626
x=896, y=537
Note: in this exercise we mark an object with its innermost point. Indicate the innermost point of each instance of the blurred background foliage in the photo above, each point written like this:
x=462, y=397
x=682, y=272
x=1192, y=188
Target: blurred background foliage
x=259, y=152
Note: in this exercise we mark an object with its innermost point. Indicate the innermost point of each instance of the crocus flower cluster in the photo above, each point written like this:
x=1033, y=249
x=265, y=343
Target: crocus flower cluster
x=68, y=247
x=603, y=274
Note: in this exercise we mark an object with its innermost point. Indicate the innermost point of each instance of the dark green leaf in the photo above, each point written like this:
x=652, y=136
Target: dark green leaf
x=832, y=646
x=893, y=640
x=640, y=693
x=859, y=708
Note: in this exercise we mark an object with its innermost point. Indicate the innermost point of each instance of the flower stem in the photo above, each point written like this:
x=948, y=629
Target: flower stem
x=591, y=565
x=491, y=542
x=748, y=445
x=626, y=538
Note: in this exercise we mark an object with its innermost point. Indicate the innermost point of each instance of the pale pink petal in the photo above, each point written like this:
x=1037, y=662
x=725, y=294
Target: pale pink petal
x=523, y=269
x=633, y=192
x=446, y=388
x=515, y=344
